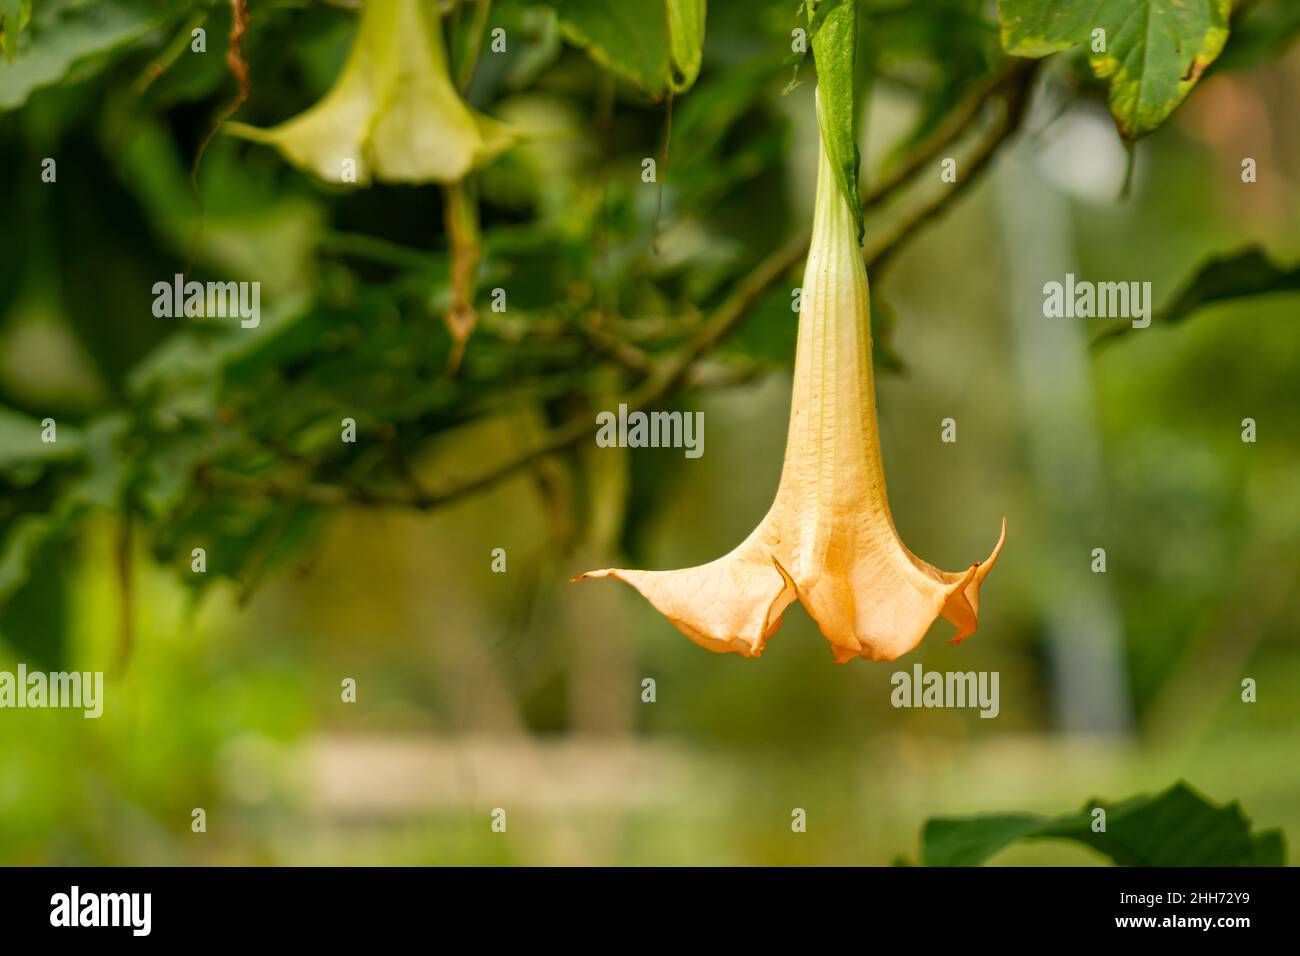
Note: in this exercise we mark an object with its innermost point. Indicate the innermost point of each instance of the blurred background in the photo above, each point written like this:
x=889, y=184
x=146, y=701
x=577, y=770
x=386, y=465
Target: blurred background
x=479, y=690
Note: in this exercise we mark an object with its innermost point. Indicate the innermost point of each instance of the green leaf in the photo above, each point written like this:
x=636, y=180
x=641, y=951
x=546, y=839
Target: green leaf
x=971, y=841
x=22, y=541
x=833, y=24
x=66, y=38
x=1152, y=51
x=34, y=616
x=1237, y=275
x=686, y=41
x=1248, y=272
x=656, y=44
x=14, y=17
x=1178, y=827
x=1268, y=849
x=21, y=444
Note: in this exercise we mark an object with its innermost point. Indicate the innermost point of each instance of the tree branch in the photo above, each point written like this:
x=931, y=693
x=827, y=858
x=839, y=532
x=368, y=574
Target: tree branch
x=952, y=128
x=1007, y=125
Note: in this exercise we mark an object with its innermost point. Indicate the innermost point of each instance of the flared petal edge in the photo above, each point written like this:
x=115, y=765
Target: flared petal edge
x=731, y=605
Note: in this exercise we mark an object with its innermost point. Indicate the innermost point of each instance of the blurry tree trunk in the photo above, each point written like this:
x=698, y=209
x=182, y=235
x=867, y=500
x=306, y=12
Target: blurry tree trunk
x=1084, y=627
x=603, y=685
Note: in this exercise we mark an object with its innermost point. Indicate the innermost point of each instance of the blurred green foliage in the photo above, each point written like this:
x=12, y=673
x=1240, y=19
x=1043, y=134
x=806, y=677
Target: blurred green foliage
x=174, y=435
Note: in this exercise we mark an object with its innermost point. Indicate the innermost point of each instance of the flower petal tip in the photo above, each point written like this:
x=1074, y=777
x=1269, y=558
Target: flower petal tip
x=962, y=605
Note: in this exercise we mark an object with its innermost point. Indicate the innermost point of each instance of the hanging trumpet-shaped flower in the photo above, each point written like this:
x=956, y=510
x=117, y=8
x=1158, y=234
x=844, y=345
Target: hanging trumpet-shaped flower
x=829, y=539
x=393, y=114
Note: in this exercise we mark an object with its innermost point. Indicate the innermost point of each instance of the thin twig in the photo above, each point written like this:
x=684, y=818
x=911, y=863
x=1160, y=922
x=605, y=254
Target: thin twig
x=620, y=350
x=238, y=68
x=160, y=64
x=460, y=216
x=949, y=131
x=473, y=44
x=883, y=251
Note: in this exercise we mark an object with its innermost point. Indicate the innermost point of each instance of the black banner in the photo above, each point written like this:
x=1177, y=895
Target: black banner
x=730, y=905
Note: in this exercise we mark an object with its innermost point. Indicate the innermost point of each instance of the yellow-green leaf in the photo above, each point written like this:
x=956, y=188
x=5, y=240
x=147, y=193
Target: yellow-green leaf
x=685, y=41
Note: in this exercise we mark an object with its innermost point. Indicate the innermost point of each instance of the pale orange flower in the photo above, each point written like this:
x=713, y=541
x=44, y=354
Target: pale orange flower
x=829, y=539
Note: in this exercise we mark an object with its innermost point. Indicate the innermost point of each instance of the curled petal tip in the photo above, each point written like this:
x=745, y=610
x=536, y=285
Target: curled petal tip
x=997, y=548
x=962, y=606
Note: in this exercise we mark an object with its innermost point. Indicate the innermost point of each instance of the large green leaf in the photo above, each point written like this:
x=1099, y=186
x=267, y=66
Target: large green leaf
x=1178, y=827
x=655, y=44
x=834, y=28
x=1237, y=275
x=1154, y=50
